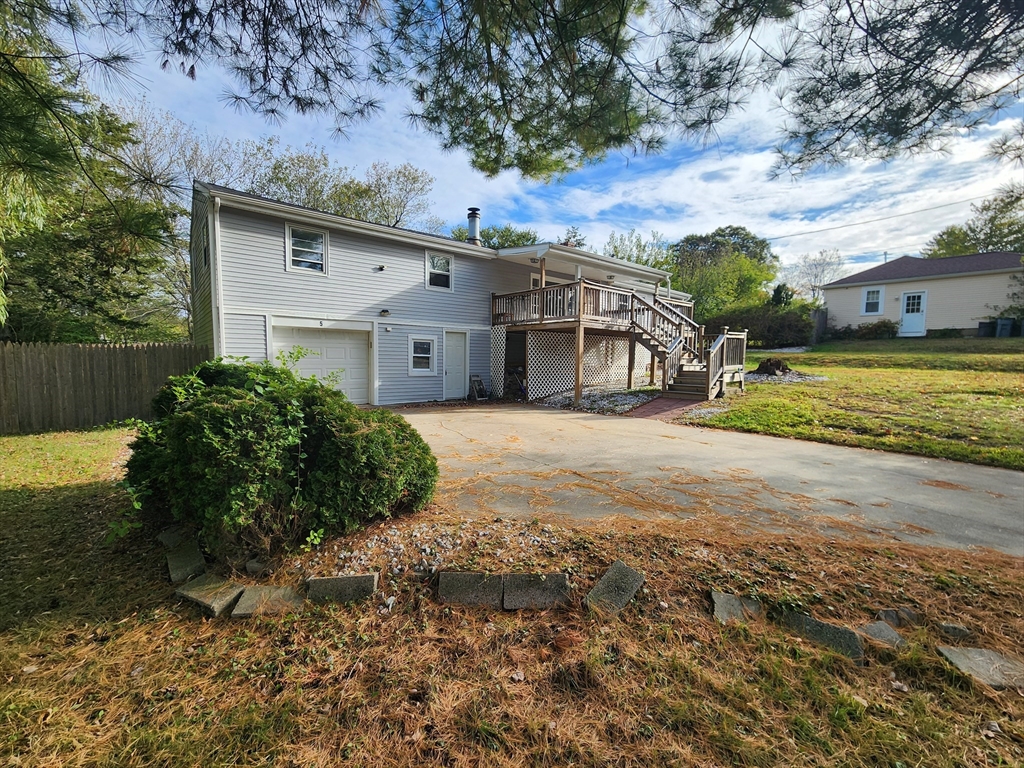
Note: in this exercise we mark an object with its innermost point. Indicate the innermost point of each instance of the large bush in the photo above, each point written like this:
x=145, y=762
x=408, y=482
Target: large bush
x=767, y=325
x=250, y=452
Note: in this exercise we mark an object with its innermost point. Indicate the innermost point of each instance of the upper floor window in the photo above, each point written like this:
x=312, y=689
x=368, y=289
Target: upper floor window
x=307, y=250
x=872, y=303
x=439, y=271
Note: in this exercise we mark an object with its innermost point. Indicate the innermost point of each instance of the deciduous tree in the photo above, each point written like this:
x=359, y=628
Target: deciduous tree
x=813, y=270
x=505, y=236
x=997, y=225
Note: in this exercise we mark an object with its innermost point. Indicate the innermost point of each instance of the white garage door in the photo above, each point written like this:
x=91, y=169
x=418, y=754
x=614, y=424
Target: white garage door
x=345, y=351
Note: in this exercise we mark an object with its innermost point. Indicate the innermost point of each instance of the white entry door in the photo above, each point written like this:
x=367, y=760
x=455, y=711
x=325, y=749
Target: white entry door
x=347, y=352
x=912, y=316
x=456, y=375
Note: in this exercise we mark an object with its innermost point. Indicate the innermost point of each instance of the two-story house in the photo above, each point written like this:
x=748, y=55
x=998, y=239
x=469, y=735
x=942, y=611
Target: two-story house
x=405, y=316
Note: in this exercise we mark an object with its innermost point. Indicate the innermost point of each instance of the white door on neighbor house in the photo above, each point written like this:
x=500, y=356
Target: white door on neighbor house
x=347, y=352
x=456, y=376
x=912, y=316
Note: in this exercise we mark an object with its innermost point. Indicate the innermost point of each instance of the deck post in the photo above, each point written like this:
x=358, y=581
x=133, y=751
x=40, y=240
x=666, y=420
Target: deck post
x=543, y=272
x=653, y=367
x=632, y=360
x=578, y=394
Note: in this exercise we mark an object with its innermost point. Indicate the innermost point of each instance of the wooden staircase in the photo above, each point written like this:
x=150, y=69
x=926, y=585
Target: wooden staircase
x=692, y=368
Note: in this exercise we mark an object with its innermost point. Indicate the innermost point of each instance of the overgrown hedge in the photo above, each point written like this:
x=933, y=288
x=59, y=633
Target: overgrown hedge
x=768, y=325
x=253, y=454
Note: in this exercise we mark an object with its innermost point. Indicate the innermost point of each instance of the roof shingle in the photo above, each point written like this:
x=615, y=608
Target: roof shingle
x=909, y=268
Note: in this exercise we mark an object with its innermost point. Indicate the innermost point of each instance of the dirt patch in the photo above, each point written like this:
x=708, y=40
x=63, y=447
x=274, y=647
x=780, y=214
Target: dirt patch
x=945, y=484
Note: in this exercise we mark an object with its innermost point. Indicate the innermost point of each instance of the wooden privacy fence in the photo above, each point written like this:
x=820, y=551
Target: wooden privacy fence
x=49, y=387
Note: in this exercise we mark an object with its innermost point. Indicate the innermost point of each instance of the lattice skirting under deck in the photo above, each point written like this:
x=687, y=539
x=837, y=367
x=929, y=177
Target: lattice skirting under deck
x=551, y=364
x=497, y=361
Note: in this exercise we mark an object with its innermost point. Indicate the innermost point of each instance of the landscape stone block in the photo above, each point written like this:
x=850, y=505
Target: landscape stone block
x=212, y=593
x=955, y=631
x=171, y=537
x=841, y=639
x=470, y=588
x=341, y=589
x=883, y=633
x=267, y=601
x=255, y=567
x=732, y=608
x=185, y=561
x=993, y=669
x=616, y=588
x=535, y=590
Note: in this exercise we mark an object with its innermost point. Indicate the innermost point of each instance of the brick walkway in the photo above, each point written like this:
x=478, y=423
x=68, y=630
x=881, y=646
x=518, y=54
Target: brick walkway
x=664, y=408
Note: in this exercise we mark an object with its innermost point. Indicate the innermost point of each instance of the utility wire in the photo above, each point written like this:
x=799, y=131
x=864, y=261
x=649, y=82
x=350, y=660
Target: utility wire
x=880, y=218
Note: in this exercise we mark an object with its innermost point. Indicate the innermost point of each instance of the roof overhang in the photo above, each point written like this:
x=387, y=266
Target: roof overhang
x=593, y=266
x=246, y=202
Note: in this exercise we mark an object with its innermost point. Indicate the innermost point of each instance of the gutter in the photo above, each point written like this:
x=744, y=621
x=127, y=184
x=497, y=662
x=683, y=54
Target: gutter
x=892, y=280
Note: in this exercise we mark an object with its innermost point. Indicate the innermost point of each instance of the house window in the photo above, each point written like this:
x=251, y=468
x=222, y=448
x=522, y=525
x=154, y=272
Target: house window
x=872, y=301
x=422, y=355
x=307, y=250
x=439, y=271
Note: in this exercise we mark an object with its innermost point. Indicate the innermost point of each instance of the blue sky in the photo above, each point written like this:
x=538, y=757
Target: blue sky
x=687, y=189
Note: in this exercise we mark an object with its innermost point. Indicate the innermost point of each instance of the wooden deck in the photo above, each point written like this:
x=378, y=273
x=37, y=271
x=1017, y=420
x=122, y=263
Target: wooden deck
x=691, y=366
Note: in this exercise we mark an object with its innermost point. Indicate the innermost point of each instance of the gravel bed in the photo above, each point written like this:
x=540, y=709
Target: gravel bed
x=609, y=400
x=429, y=547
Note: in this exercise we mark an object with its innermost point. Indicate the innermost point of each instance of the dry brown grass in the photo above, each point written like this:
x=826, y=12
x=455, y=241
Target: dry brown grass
x=116, y=671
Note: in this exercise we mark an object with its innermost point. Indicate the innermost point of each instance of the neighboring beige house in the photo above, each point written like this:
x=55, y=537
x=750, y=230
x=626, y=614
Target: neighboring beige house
x=925, y=294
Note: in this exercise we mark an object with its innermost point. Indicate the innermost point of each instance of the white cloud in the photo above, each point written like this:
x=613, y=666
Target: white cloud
x=682, y=192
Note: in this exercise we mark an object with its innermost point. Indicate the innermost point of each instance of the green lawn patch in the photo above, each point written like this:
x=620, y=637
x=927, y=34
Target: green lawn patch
x=101, y=665
x=960, y=399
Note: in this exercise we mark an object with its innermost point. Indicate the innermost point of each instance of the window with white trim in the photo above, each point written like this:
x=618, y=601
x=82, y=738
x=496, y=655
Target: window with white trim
x=307, y=250
x=439, y=271
x=871, y=301
x=422, y=355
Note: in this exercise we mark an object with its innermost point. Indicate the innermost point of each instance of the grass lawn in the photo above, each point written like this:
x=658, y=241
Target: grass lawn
x=960, y=399
x=101, y=666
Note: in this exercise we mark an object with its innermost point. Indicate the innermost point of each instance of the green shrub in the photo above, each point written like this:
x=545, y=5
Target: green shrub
x=880, y=329
x=250, y=452
x=944, y=333
x=767, y=325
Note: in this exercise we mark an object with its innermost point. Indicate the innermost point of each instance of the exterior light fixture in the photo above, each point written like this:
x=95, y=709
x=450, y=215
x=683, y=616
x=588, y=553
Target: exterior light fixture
x=381, y=268
x=611, y=277
x=534, y=260
x=385, y=313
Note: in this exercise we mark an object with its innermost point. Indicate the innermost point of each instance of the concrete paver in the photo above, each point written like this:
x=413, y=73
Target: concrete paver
x=524, y=461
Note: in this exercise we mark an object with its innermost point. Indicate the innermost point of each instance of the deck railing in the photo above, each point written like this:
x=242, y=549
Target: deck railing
x=561, y=302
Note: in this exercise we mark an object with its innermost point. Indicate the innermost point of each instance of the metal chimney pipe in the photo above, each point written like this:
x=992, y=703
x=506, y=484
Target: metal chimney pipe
x=474, y=227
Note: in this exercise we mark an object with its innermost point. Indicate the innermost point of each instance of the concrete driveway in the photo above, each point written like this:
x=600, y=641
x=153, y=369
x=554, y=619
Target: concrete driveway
x=524, y=461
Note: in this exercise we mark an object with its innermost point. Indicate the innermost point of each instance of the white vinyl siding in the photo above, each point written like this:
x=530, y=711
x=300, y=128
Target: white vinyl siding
x=395, y=385
x=245, y=336
x=307, y=250
x=199, y=256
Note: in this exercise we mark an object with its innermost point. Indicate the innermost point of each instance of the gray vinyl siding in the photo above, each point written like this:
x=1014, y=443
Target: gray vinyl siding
x=480, y=356
x=245, y=336
x=199, y=241
x=396, y=385
x=254, y=276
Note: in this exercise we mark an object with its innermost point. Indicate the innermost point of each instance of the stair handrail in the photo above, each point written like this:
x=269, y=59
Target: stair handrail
x=714, y=361
x=655, y=312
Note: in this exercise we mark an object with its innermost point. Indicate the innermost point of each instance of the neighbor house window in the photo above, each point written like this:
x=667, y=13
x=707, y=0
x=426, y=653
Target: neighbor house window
x=872, y=304
x=421, y=355
x=439, y=271
x=307, y=250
